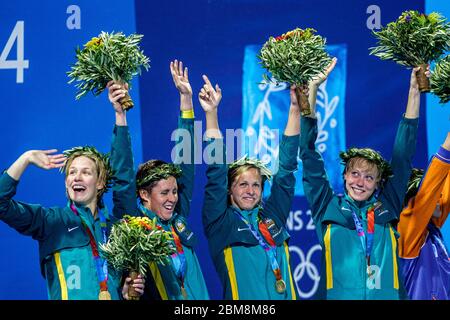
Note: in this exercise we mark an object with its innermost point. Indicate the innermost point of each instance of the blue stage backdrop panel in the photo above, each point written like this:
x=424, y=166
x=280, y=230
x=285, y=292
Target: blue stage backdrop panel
x=40, y=112
x=264, y=114
x=265, y=109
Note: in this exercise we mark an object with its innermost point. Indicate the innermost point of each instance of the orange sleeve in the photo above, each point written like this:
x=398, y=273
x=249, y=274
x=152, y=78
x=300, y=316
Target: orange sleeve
x=416, y=216
x=445, y=203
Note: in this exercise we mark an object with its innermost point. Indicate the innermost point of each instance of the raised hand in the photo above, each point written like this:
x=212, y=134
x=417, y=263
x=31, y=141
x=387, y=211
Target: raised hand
x=180, y=77
x=295, y=104
x=116, y=91
x=209, y=97
x=413, y=83
x=321, y=77
x=45, y=159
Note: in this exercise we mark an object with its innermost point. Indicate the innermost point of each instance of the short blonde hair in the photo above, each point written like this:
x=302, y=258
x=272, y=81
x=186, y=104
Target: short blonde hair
x=102, y=166
x=364, y=163
x=235, y=173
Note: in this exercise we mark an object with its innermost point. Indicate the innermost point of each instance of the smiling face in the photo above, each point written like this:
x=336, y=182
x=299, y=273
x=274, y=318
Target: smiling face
x=246, y=189
x=82, y=182
x=161, y=198
x=361, y=179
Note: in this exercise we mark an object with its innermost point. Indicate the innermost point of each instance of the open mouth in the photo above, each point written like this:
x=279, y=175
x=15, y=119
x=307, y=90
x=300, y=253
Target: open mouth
x=169, y=207
x=358, y=190
x=78, y=188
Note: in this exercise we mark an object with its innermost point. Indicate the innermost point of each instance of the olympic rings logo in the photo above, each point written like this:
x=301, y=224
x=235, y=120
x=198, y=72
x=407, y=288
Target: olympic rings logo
x=305, y=266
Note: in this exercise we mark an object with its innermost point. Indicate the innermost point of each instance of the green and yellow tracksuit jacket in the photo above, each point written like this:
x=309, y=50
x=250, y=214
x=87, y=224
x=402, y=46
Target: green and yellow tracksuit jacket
x=162, y=281
x=243, y=266
x=346, y=271
x=65, y=253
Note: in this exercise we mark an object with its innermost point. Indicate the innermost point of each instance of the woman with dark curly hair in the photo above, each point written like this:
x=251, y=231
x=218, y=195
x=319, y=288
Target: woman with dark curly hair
x=165, y=193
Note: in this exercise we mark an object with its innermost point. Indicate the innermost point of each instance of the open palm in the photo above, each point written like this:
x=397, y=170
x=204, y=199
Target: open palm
x=321, y=77
x=180, y=77
x=46, y=159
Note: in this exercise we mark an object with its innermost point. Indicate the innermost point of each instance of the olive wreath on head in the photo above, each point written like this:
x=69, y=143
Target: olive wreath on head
x=266, y=173
x=370, y=155
x=157, y=173
x=92, y=152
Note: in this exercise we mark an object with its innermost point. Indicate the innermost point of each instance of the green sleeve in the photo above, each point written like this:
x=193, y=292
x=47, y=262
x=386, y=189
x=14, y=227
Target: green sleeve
x=317, y=188
x=27, y=219
x=216, y=189
x=122, y=162
x=283, y=185
x=184, y=156
x=404, y=148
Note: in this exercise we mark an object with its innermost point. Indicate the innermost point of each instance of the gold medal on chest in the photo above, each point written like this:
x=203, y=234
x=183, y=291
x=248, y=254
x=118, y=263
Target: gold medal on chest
x=104, y=295
x=280, y=286
x=184, y=293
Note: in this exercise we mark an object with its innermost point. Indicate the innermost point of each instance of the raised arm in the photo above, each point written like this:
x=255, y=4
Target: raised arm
x=27, y=219
x=44, y=159
x=283, y=185
x=315, y=182
x=216, y=189
x=404, y=148
x=209, y=98
x=122, y=162
x=314, y=85
x=184, y=138
x=416, y=216
x=413, y=105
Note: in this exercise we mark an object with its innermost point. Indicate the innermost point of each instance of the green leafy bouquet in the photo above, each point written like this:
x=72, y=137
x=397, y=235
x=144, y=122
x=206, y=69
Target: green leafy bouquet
x=108, y=57
x=134, y=242
x=413, y=40
x=440, y=80
x=295, y=57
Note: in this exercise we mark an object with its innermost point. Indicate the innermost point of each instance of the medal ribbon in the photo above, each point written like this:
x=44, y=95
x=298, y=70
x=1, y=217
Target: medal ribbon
x=100, y=264
x=180, y=268
x=366, y=241
x=269, y=246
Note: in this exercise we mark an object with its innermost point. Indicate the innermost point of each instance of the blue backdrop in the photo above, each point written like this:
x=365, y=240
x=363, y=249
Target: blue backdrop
x=211, y=37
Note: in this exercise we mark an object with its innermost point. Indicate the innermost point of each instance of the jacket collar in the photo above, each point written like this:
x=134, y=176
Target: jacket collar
x=249, y=215
x=149, y=213
x=86, y=211
x=359, y=206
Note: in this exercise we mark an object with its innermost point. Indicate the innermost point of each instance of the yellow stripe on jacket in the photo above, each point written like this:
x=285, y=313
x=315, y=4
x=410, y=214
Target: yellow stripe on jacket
x=61, y=276
x=394, y=258
x=231, y=272
x=158, y=280
x=328, y=261
x=291, y=281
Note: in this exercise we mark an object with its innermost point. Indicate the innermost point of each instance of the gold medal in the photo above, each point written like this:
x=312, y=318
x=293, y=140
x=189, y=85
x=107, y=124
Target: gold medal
x=104, y=295
x=280, y=286
x=184, y=293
